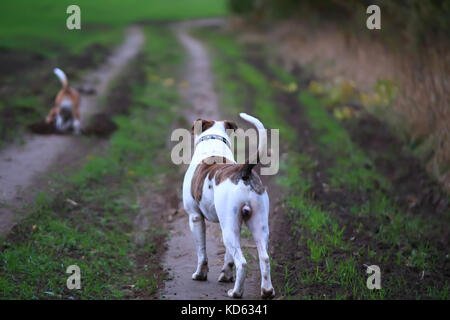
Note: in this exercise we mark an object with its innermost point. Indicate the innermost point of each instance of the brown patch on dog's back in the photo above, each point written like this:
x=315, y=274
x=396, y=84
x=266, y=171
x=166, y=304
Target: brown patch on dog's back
x=221, y=169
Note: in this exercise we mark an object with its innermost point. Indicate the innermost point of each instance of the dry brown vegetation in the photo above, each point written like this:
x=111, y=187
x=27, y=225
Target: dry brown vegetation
x=420, y=113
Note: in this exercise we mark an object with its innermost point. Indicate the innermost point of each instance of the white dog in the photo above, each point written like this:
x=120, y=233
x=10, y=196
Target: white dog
x=218, y=189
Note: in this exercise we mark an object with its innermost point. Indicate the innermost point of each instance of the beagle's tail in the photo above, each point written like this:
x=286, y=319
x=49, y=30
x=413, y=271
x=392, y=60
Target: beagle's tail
x=262, y=143
x=62, y=77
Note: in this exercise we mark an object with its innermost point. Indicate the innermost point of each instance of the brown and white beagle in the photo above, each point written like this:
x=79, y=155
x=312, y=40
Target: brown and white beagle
x=65, y=113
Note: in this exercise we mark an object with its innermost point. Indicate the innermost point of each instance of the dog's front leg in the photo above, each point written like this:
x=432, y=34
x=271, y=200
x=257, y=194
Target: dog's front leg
x=198, y=228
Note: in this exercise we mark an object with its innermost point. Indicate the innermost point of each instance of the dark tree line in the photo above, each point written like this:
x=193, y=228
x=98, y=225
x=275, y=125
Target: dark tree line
x=418, y=20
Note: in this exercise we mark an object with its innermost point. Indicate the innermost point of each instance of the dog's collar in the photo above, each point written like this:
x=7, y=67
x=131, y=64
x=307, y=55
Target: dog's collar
x=214, y=137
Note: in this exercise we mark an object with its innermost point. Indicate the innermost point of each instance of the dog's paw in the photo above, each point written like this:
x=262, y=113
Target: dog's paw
x=234, y=294
x=200, y=276
x=267, y=293
x=223, y=277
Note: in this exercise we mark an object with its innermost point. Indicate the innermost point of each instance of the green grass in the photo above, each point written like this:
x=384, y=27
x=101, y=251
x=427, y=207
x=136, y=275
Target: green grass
x=353, y=169
x=252, y=85
x=35, y=39
x=324, y=235
x=40, y=26
x=333, y=262
x=97, y=234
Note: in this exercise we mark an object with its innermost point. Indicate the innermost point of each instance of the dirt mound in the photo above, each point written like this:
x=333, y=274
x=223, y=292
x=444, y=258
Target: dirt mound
x=100, y=125
x=42, y=127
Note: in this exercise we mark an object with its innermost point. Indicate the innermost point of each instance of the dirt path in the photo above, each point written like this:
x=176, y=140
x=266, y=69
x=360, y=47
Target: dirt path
x=25, y=166
x=180, y=258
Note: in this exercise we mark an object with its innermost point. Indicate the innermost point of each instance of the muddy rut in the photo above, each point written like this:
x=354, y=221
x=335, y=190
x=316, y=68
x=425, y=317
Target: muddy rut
x=23, y=168
x=180, y=258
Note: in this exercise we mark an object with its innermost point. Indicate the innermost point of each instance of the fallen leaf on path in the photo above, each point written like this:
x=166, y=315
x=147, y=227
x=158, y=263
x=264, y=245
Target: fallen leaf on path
x=154, y=78
x=315, y=87
x=292, y=87
x=168, y=82
x=70, y=201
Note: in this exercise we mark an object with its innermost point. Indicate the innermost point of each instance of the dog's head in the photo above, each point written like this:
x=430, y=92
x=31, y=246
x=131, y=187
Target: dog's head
x=219, y=127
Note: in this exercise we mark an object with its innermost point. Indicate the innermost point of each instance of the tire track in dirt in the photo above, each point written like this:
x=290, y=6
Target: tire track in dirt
x=180, y=258
x=24, y=167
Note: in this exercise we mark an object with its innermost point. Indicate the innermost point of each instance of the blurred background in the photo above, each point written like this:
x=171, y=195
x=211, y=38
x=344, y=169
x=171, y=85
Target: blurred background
x=408, y=58
x=364, y=120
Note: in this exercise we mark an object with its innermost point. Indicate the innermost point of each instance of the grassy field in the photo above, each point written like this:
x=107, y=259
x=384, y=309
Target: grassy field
x=35, y=39
x=100, y=234
x=340, y=210
x=40, y=26
x=340, y=204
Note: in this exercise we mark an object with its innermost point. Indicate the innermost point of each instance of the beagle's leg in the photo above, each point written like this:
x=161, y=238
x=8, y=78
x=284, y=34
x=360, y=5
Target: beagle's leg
x=198, y=228
x=76, y=126
x=226, y=274
x=66, y=125
x=259, y=228
x=59, y=123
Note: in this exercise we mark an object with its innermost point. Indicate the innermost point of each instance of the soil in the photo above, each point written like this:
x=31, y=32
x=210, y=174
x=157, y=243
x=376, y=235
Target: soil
x=408, y=177
x=415, y=190
x=22, y=165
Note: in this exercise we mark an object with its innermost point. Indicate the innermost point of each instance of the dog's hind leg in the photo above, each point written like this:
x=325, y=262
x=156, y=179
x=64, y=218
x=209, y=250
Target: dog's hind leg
x=260, y=230
x=226, y=274
x=231, y=239
x=198, y=228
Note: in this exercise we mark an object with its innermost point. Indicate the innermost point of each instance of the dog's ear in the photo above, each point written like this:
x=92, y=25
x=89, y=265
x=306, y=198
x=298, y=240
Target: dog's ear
x=230, y=125
x=193, y=125
x=205, y=124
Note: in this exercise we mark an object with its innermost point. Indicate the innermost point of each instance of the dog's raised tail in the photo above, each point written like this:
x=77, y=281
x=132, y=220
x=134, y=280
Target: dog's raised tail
x=62, y=77
x=262, y=143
